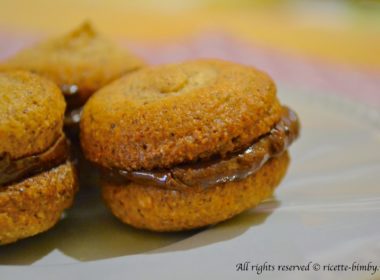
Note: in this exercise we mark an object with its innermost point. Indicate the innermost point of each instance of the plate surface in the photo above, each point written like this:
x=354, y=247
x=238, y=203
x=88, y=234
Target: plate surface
x=326, y=211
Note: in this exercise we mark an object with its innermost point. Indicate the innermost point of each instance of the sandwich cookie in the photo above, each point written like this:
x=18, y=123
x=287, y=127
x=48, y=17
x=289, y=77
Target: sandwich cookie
x=37, y=179
x=186, y=145
x=80, y=63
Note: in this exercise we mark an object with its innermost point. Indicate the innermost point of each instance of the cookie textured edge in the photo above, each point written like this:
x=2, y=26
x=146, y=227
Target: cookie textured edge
x=36, y=204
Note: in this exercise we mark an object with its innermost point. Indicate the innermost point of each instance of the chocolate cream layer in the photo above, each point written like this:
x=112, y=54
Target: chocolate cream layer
x=12, y=170
x=71, y=123
x=72, y=96
x=234, y=167
x=73, y=110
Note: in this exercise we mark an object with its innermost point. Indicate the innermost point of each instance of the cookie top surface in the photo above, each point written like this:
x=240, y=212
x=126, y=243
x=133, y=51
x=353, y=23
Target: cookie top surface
x=31, y=114
x=79, y=62
x=162, y=116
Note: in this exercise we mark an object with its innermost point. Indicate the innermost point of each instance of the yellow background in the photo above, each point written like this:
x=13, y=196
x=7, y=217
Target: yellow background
x=344, y=32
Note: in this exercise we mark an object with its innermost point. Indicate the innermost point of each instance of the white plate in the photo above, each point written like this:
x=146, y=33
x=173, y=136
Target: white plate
x=326, y=211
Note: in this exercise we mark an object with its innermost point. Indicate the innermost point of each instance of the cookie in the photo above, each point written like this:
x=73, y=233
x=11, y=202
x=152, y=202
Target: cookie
x=79, y=62
x=37, y=178
x=187, y=133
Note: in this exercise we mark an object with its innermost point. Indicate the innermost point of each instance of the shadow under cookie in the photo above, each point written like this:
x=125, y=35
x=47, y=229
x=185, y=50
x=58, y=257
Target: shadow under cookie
x=90, y=232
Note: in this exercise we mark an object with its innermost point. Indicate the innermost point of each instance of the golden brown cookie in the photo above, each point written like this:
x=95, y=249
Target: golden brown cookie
x=37, y=179
x=31, y=113
x=79, y=62
x=35, y=204
x=182, y=133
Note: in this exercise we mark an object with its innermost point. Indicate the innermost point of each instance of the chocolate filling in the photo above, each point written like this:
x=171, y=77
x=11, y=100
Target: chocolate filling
x=73, y=110
x=235, y=166
x=12, y=170
x=72, y=96
x=71, y=122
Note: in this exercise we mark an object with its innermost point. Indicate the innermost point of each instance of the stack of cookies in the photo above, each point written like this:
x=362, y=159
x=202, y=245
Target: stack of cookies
x=178, y=146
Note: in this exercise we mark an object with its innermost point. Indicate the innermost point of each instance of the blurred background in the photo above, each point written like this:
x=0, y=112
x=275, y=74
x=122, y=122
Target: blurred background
x=325, y=46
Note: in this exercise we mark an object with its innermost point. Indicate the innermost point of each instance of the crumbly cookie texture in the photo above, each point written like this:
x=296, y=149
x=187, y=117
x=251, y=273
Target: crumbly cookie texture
x=35, y=204
x=31, y=113
x=162, y=209
x=79, y=62
x=162, y=116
